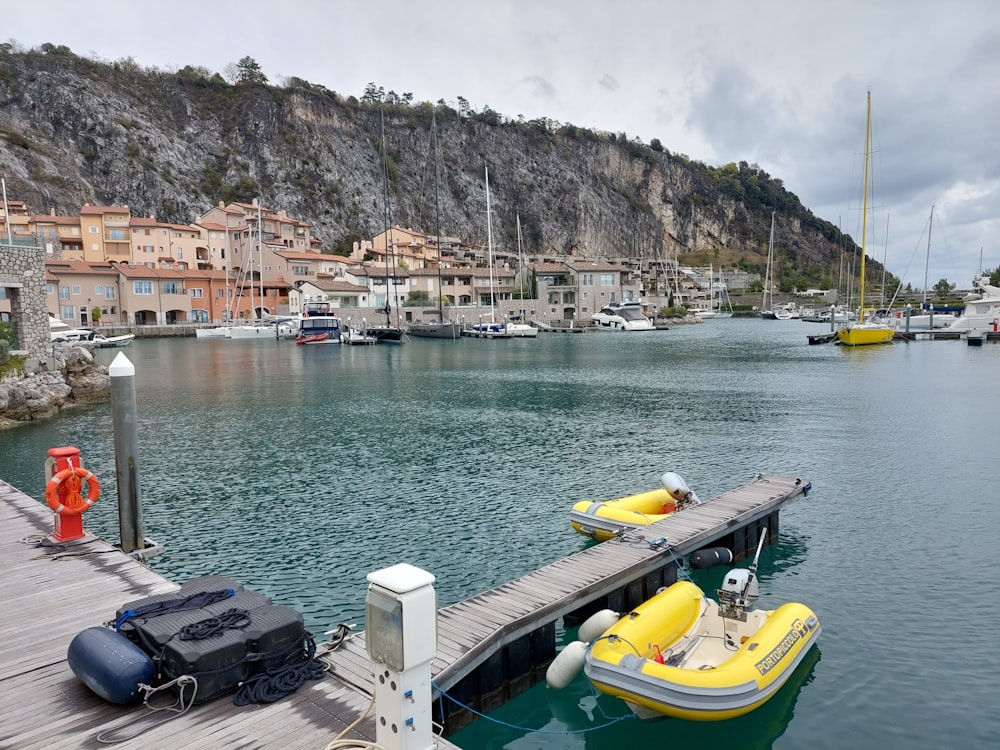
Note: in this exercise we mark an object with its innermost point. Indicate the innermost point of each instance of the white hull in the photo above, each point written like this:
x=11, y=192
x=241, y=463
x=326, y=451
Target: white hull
x=251, y=332
x=923, y=322
x=211, y=333
x=521, y=331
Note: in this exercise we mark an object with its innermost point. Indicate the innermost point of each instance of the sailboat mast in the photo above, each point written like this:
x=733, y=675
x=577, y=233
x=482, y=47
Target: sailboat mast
x=260, y=254
x=437, y=215
x=927, y=261
x=249, y=274
x=864, y=203
x=489, y=241
x=385, y=219
x=767, y=269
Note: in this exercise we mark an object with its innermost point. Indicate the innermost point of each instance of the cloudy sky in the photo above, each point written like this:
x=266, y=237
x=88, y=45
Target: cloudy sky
x=779, y=83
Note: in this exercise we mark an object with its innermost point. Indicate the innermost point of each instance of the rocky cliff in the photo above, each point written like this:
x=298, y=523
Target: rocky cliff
x=171, y=144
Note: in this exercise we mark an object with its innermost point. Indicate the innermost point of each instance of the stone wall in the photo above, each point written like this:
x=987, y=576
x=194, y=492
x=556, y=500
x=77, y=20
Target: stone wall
x=22, y=272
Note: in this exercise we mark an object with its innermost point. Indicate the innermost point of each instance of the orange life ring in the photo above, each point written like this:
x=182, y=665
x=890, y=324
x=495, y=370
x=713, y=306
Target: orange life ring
x=72, y=502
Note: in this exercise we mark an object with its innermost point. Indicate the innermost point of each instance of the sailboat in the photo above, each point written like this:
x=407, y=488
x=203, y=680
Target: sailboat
x=766, y=313
x=491, y=329
x=714, y=309
x=388, y=333
x=870, y=331
x=927, y=318
x=516, y=327
x=440, y=329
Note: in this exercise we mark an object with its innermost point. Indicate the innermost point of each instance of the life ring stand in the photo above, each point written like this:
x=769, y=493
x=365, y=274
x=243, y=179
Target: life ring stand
x=72, y=502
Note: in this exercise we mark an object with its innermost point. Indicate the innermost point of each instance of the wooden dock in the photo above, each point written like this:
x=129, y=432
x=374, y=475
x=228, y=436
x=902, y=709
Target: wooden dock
x=50, y=595
x=495, y=645
x=491, y=646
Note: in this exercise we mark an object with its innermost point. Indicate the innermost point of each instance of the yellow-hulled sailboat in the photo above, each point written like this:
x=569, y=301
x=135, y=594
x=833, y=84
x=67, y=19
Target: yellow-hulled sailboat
x=869, y=331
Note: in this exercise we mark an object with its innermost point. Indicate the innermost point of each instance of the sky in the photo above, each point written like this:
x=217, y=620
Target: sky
x=777, y=83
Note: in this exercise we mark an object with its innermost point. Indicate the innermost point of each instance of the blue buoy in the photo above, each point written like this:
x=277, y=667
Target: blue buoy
x=110, y=665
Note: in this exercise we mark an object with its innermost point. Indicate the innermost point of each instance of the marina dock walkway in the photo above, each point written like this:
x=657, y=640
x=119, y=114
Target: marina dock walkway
x=50, y=595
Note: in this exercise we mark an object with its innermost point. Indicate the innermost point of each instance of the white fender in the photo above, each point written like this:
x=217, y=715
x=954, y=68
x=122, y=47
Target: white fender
x=566, y=665
x=597, y=624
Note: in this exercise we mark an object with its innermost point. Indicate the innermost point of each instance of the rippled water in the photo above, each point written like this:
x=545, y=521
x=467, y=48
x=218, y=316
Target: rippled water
x=297, y=470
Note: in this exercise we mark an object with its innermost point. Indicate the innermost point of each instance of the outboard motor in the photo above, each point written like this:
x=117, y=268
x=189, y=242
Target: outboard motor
x=739, y=590
x=679, y=491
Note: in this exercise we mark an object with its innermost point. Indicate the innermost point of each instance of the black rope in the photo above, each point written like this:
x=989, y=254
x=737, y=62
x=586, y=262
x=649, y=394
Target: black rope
x=194, y=601
x=233, y=619
x=300, y=664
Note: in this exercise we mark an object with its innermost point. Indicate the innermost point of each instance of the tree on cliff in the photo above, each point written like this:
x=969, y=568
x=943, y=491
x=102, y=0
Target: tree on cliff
x=247, y=70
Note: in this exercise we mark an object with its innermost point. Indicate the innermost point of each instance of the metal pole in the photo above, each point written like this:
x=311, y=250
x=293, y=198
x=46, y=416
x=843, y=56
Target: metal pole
x=123, y=415
x=6, y=212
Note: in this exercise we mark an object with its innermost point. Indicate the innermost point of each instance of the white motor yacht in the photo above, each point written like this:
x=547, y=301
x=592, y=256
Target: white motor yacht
x=982, y=308
x=622, y=316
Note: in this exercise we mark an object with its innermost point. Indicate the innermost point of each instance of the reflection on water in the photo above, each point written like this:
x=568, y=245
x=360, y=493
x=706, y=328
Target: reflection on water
x=297, y=470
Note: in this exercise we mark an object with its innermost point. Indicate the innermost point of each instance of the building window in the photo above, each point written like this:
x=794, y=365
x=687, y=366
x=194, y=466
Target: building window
x=142, y=287
x=67, y=312
x=76, y=288
x=147, y=248
x=116, y=234
x=171, y=287
x=49, y=289
x=92, y=230
x=607, y=279
x=180, y=253
x=219, y=293
x=109, y=292
x=196, y=292
x=300, y=270
x=99, y=290
x=199, y=316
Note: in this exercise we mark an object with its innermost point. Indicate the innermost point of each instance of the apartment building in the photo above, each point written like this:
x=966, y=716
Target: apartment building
x=60, y=236
x=74, y=290
x=15, y=219
x=157, y=244
x=106, y=233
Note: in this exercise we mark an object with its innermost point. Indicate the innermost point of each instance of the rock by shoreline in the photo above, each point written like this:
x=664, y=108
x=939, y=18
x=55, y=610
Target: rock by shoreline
x=77, y=379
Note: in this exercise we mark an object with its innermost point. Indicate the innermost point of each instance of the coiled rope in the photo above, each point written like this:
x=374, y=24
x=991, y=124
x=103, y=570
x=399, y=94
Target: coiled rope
x=298, y=665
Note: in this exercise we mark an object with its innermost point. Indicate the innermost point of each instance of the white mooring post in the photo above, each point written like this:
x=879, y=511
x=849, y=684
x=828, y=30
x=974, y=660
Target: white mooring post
x=123, y=415
x=401, y=637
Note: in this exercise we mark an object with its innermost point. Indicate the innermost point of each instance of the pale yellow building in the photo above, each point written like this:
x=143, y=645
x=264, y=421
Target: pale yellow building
x=106, y=234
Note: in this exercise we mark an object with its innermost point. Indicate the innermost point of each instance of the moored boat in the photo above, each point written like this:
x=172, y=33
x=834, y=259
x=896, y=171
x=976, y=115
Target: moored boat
x=110, y=342
x=870, y=329
x=622, y=316
x=982, y=308
x=684, y=655
x=319, y=329
x=603, y=520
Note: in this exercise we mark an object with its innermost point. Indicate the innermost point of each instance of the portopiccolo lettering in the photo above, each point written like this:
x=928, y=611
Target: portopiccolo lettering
x=778, y=652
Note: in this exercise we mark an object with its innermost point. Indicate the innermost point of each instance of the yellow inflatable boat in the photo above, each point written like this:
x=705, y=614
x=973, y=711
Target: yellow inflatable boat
x=603, y=520
x=682, y=654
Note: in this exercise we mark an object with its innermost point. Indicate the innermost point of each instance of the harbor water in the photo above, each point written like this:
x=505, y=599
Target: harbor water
x=298, y=470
